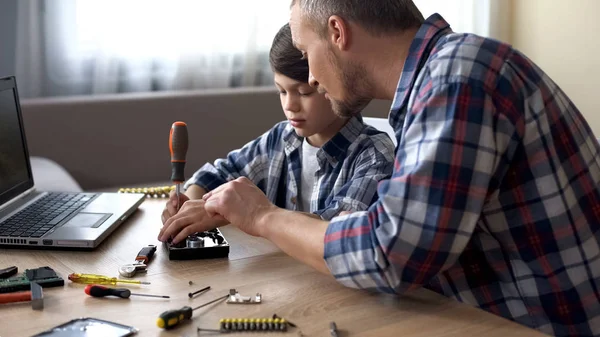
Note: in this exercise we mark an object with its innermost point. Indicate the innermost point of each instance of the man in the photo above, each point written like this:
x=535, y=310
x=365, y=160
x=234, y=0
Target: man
x=494, y=199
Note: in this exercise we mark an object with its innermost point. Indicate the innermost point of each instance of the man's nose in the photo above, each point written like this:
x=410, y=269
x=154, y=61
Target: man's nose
x=312, y=81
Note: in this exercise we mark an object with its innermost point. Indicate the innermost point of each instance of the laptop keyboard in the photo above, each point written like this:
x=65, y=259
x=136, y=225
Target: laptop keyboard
x=41, y=216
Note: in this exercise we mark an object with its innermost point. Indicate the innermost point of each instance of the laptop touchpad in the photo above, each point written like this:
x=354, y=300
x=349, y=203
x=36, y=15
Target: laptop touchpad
x=87, y=220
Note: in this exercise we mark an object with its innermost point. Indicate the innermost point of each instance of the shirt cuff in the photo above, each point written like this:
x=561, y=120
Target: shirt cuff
x=345, y=204
x=206, y=177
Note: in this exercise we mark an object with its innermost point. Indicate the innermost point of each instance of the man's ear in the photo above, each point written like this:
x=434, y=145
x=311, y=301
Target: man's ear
x=338, y=32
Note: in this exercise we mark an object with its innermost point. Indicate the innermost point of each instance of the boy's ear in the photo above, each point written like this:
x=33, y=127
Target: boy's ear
x=338, y=33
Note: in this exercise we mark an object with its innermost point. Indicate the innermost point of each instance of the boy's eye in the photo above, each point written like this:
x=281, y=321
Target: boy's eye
x=304, y=56
x=306, y=93
x=281, y=92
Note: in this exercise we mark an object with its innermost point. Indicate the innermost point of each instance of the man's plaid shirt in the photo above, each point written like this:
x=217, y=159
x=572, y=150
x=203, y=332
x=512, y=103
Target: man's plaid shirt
x=495, y=197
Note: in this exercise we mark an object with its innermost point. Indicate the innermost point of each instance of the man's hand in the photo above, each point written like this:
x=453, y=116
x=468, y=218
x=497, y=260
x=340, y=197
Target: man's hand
x=171, y=206
x=191, y=218
x=244, y=205
x=241, y=203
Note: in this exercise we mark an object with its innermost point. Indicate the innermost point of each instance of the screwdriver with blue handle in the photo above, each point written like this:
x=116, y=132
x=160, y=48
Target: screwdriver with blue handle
x=172, y=318
x=178, y=145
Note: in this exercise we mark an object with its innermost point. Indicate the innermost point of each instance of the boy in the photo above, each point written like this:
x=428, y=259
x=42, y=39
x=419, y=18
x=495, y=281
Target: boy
x=316, y=162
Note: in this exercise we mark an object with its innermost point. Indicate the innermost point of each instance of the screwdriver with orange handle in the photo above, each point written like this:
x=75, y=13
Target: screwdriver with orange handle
x=178, y=145
x=100, y=291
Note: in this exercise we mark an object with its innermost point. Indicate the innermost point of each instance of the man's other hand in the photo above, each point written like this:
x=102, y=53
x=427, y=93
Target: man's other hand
x=241, y=203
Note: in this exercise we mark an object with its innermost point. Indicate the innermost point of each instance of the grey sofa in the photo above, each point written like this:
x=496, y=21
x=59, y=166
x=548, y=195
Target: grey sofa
x=122, y=140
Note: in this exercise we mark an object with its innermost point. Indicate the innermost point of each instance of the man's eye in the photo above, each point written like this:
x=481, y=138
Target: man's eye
x=282, y=92
x=304, y=56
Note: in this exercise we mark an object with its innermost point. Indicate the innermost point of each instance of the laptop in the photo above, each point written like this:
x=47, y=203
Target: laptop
x=41, y=219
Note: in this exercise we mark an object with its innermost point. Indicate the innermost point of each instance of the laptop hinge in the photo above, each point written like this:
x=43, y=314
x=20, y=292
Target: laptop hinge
x=20, y=197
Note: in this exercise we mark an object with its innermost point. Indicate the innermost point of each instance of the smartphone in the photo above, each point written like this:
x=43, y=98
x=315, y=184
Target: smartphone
x=89, y=327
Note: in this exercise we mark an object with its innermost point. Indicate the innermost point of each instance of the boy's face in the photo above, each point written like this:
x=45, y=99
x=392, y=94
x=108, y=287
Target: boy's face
x=308, y=111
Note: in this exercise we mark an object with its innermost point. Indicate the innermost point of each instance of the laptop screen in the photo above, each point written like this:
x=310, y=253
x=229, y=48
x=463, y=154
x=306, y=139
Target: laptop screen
x=15, y=177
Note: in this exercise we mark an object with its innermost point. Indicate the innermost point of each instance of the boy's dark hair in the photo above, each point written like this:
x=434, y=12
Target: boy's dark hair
x=376, y=16
x=285, y=58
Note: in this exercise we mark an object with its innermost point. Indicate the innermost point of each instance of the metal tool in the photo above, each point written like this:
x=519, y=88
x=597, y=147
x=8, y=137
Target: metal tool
x=35, y=295
x=191, y=295
x=172, y=318
x=100, y=291
x=178, y=145
x=141, y=262
x=235, y=297
x=333, y=329
x=100, y=279
x=193, y=241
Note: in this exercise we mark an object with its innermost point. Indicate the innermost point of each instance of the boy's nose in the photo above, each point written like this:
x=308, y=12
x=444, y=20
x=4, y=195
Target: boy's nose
x=291, y=104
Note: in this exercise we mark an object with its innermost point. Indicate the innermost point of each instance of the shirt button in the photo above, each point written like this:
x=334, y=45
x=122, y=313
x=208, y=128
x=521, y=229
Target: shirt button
x=293, y=200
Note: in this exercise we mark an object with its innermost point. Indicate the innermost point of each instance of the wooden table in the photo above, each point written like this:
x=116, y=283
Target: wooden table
x=290, y=289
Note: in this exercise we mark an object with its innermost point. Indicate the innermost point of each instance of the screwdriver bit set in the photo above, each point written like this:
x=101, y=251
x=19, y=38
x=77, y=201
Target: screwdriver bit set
x=229, y=325
x=150, y=192
x=202, y=245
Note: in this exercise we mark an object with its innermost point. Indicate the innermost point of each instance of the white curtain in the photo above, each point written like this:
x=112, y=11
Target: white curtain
x=77, y=47
x=108, y=46
x=489, y=18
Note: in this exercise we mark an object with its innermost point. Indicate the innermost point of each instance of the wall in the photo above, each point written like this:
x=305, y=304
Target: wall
x=562, y=38
x=8, y=38
x=122, y=140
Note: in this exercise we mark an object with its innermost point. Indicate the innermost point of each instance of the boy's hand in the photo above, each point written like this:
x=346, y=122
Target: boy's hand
x=191, y=218
x=171, y=206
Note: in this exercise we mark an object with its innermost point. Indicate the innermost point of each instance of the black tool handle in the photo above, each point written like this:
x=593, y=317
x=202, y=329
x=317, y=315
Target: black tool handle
x=172, y=318
x=146, y=254
x=8, y=272
x=100, y=291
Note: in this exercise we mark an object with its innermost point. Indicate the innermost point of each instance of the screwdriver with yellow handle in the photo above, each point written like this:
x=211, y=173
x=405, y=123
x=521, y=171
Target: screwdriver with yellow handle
x=170, y=319
x=100, y=279
x=178, y=145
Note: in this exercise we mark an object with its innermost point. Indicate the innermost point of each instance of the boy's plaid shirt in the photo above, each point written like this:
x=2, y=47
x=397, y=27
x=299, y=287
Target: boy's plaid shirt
x=351, y=164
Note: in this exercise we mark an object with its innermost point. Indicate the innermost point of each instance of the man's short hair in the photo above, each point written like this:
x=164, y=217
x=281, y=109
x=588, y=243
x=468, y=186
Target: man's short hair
x=379, y=17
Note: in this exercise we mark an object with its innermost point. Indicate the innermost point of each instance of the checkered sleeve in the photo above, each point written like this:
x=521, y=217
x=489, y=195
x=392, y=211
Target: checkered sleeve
x=372, y=165
x=251, y=161
x=452, y=146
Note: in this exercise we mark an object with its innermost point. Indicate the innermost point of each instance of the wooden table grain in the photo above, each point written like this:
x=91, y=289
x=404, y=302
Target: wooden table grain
x=289, y=288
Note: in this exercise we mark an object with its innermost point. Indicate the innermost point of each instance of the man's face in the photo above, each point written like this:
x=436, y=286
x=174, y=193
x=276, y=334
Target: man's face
x=343, y=82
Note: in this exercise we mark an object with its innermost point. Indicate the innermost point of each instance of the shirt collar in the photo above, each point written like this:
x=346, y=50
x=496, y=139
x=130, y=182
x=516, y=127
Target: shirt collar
x=334, y=151
x=420, y=48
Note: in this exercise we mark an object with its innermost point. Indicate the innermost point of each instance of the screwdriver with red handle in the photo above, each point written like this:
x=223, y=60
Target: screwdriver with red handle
x=100, y=291
x=178, y=145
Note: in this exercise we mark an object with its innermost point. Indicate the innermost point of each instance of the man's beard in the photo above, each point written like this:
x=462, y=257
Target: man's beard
x=354, y=81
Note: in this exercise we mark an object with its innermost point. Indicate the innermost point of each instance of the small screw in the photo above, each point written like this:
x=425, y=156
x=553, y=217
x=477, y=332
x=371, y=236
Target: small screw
x=190, y=283
x=191, y=295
